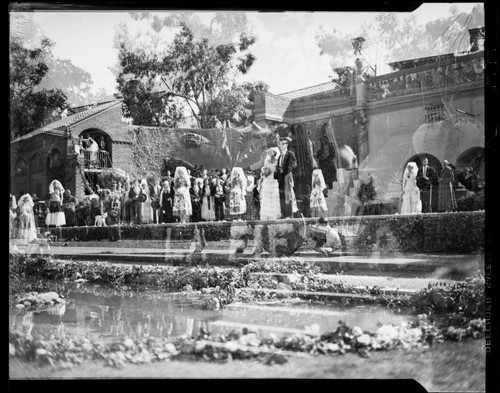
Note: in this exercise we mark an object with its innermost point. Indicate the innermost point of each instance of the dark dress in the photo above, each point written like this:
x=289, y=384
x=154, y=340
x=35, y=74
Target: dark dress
x=195, y=204
x=219, y=199
x=166, y=203
x=69, y=206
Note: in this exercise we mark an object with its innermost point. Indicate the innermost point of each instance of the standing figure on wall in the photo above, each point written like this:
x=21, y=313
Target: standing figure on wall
x=145, y=200
x=69, y=205
x=219, y=199
x=27, y=227
x=306, y=162
x=166, y=202
x=426, y=180
x=269, y=189
x=12, y=216
x=411, y=193
x=284, y=174
x=317, y=201
x=56, y=212
x=195, y=193
x=182, y=200
x=328, y=155
x=155, y=200
x=207, y=204
x=237, y=201
x=134, y=203
x=446, y=197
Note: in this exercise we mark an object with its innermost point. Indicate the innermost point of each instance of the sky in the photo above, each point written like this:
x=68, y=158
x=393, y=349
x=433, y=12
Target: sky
x=286, y=60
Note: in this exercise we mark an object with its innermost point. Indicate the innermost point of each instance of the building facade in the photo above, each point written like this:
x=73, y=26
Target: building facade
x=431, y=107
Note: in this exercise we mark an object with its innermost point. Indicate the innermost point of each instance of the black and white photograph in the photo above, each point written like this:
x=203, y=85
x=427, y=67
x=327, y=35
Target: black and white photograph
x=250, y=194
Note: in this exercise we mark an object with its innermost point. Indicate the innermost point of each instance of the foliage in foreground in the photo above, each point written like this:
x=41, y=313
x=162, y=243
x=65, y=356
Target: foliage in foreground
x=465, y=300
x=67, y=351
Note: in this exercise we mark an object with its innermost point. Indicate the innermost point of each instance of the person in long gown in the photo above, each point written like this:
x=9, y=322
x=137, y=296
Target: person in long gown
x=317, y=201
x=166, y=202
x=269, y=193
x=12, y=216
x=146, y=210
x=92, y=148
x=219, y=199
x=195, y=194
x=27, y=227
x=208, y=202
x=411, y=194
x=56, y=212
x=252, y=212
x=447, y=201
x=237, y=201
x=182, y=199
x=69, y=206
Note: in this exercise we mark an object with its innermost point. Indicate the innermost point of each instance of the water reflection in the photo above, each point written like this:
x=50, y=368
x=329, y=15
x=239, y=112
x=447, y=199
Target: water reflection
x=111, y=317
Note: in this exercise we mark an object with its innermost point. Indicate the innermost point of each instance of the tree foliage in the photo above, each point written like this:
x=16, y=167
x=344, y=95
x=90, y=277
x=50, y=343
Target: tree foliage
x=31, y=106
x=396, y=37
x=196, y=73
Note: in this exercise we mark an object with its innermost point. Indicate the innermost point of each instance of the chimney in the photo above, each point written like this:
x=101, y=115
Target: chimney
x=476, y=39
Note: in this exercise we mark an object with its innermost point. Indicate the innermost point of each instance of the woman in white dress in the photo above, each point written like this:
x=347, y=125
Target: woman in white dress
x=237, y=202
x=93, y=148
x=27, y=227
x=56, y=215
x=317, y=199
x=269, y=193
x=146, y=209
x=182, y=199
x=411, y=193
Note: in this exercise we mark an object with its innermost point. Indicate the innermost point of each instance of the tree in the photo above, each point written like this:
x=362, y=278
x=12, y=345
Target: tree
x=75, y=82
x=197, y=73
x=30, y=106
x=394, y=37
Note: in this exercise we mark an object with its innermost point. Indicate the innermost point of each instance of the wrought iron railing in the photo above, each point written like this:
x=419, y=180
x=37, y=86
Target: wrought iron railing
x=96, y=159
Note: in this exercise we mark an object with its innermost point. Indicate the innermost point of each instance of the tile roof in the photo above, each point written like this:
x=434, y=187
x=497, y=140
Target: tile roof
x=70, y=120
x=307, y=91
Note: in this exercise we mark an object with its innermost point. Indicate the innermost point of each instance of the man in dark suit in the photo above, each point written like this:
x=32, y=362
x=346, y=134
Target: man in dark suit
x=135, y=204
x=286, y=164
x=426, y=181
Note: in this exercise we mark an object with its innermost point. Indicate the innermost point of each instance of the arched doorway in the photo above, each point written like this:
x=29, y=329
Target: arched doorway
x=417, y=159
x=431, y=195
x=105, y=143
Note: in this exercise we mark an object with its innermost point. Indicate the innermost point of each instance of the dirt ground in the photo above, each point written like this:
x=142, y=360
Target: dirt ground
x=449, y=366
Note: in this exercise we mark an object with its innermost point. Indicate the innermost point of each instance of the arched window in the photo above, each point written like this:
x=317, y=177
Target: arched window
x=54, y=159
x=21, y=166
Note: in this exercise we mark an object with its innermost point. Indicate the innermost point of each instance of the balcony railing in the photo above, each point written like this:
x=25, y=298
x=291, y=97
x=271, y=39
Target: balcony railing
x=96, y=160
x=448, y=73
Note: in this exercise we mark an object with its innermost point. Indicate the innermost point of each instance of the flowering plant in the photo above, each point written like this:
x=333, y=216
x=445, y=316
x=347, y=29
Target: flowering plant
x=266, y=171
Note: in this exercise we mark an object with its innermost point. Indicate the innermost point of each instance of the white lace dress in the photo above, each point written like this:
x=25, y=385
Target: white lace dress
x=269, y=195
x=411, y=196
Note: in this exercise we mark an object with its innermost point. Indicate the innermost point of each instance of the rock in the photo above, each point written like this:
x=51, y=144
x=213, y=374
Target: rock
x=48, y=296
x=20, y=306
x=364, y=340
x=284, y=286
x=357, y=331
x=27, y=304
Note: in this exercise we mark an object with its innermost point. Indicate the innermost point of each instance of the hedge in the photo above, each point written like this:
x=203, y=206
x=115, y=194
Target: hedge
x=460, y=232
